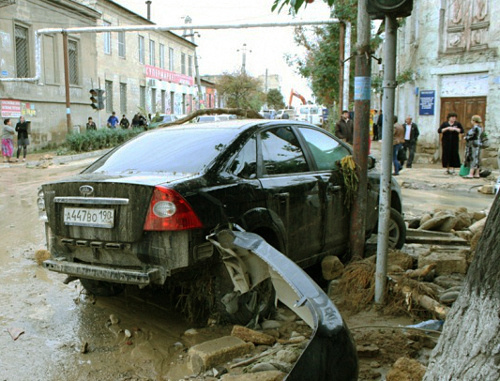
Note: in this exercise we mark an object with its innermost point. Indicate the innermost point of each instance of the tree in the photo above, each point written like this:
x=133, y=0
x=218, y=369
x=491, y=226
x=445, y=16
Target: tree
x=274, y=99
x=469, y=347
x=241, y=91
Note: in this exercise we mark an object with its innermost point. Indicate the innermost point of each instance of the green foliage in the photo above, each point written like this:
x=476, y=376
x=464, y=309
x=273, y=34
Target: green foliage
x=241, y=91
x=99, y=139
x=275, y=100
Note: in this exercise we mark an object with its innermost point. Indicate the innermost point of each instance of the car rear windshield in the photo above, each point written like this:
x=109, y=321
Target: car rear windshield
x=187, y=150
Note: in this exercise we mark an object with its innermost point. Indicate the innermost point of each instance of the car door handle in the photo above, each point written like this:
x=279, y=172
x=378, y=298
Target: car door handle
x=282, y=196
x=334, y=188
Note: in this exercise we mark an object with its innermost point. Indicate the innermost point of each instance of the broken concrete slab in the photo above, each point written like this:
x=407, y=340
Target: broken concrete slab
x=252, y=336
x=433, y=238
x=331, y=267
x=214, y=352
x=447, y=262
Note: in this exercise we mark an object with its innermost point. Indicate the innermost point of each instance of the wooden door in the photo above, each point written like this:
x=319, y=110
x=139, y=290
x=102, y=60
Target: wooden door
x=465, y=108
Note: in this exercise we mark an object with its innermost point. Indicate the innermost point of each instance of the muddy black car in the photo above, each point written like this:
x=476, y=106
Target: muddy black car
x=140, y=214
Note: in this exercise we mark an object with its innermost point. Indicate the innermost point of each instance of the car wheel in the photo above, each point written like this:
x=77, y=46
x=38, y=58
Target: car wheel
x=101, y=288
x=397, y=230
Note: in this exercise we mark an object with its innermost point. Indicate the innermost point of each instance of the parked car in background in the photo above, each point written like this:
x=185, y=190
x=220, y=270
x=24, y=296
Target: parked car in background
x=285, y=114
x=311, y=114
x=165, y=118
x=140, y=214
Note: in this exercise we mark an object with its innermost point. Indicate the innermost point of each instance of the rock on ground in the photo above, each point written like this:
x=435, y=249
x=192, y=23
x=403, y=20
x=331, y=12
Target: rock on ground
x=405, y=369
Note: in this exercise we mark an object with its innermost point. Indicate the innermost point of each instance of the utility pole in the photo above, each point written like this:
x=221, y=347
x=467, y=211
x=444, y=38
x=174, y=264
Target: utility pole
x=188, y=20
x=66, y=82
x=244, y=58
x=362, y=94
x=389, y=90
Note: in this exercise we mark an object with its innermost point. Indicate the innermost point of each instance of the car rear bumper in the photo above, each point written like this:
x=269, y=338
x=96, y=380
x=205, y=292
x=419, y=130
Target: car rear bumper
x=108, y=274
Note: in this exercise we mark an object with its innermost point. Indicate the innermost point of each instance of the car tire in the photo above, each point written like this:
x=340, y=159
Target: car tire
x=397, y=230
x=101, y=288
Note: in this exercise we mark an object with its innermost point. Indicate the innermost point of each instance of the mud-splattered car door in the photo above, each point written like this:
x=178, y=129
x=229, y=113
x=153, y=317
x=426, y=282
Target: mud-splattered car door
x=292, y=190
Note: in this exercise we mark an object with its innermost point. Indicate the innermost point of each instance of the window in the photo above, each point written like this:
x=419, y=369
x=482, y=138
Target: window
x=22, y=52
x=142, y=96
x=245, y=163
x=123, y=98
x=171, y=59
x=121, y=44
x=162, y=56
x=109, y=96
x=74, y=74
x=281, y=152
x=163, y=101
x=153, y=100
x=141, y=49
x=325, y=150
x=152, y=58
x=190, y=66
x=183, y=63
x=107, y=39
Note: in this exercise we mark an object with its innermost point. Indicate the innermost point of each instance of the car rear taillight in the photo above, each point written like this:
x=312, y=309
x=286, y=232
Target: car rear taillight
x=169, y=211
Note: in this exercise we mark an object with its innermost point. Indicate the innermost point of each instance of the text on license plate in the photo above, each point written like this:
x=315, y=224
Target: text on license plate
x=99, y=218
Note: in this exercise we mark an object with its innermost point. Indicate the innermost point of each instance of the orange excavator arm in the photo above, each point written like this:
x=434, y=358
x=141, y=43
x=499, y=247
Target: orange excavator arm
x=295, y=94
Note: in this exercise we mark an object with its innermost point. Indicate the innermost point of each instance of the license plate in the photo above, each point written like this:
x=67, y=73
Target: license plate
x=98, y=218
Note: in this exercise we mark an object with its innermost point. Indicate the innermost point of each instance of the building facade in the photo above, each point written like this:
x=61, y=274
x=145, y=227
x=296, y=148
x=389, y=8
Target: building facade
x=42, y=101
x=448, y=56
x=145, y=72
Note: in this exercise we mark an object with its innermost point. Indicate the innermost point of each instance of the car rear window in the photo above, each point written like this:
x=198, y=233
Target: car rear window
x=186, y=150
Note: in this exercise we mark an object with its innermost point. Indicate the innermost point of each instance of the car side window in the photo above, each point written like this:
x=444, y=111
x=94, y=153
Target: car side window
x=325, y=149
x=281, y=152
x=244, y=164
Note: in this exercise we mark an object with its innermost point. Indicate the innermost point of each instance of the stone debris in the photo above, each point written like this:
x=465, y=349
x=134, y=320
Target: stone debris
x=252, y=336
x=272, y=375
x=113, y=319
x=332, y=267
x=15, y=332
x=215, y=352
x=368, y=350
x=406, y=369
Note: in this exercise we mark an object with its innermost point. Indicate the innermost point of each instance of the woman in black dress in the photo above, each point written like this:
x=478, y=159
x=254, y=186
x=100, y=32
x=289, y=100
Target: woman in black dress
x=451, y=130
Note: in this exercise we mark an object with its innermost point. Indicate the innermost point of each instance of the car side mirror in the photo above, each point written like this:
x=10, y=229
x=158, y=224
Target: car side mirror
x=371, y=162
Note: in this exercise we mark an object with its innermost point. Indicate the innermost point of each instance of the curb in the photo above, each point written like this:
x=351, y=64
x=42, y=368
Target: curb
x=69, y=158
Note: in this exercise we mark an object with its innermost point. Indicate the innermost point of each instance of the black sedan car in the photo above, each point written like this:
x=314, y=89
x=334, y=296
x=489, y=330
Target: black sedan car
x=140, y=214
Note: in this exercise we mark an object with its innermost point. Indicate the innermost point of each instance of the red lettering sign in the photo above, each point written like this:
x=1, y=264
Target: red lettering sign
x=168, y=76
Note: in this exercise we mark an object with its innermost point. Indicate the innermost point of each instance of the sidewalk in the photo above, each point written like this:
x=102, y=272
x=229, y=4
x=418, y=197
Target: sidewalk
x=35, y=158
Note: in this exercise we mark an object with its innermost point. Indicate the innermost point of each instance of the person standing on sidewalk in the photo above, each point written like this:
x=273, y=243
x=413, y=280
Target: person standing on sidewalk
x=376, y=115
x=411, y=137
x=8, y=133
x=113, y=120
x=397, y=142
x=344, y=128
x=90, y=124
x=124, y=123
x=450, y=130
x=473, y=147
x=22, y=137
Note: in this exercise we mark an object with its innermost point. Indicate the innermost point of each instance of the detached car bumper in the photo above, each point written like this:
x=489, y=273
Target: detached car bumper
x=331, y=353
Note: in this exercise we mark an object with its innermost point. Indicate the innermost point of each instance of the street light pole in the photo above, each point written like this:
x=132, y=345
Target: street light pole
x=244, y=58
x=188, y=20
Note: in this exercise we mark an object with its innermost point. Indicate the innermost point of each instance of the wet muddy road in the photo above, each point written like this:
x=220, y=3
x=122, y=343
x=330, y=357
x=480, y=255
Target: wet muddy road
x=59, y=322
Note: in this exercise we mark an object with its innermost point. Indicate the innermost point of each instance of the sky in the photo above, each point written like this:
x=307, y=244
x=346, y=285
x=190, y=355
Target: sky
x=218, y=49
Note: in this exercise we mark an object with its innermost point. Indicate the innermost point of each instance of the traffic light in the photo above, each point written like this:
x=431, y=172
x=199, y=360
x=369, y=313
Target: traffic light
x=93, y=99
x=378, y=9
x=97, y=98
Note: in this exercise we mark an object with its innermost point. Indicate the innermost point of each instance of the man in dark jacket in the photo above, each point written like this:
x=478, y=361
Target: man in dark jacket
x=411, y=137
x=22, y=137
x=344, y=128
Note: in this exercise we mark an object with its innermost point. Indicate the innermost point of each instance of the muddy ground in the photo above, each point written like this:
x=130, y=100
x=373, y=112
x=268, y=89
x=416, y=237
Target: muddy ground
x=68, y=335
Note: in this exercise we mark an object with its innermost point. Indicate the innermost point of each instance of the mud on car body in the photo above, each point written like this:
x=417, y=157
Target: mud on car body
x=140, y=214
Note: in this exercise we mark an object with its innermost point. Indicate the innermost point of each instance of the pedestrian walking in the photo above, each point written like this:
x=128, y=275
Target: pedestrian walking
x=380, y=123
x=473, y=147
x=376, y=115
x=450, y=136
x=124, y=123
x=112, y=120
x=397, y=142
x=411, y=137
x=8, y=133
x=90, y=124
x=22, y=129
x=344, y=128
